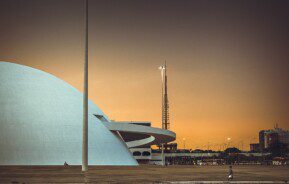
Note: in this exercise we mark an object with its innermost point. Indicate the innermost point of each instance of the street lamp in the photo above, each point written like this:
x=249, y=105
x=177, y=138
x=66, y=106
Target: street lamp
x=228, y=139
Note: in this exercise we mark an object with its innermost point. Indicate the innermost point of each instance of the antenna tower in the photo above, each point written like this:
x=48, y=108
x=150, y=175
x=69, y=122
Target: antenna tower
x=165, y=100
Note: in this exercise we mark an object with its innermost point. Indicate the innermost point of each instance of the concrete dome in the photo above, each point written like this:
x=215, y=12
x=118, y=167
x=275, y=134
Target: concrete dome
x=41, y=122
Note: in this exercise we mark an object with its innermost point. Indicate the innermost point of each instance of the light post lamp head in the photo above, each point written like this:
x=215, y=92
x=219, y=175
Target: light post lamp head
x=162, y=68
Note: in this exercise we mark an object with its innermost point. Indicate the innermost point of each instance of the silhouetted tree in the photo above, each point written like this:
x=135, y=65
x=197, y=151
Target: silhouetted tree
x=232, y=150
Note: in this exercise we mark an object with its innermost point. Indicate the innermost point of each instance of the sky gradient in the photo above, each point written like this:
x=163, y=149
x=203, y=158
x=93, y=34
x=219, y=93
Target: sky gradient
x=228, y=61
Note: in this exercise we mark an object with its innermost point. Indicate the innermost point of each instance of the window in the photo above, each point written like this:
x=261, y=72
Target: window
x=136, y=153
x=146, y=153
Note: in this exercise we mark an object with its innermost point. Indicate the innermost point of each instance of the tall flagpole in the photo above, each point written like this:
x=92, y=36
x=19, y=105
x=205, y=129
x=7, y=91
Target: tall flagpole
x=85, y=96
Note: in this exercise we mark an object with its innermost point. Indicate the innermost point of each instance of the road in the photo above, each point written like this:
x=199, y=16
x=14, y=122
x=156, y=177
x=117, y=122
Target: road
x=138, y=174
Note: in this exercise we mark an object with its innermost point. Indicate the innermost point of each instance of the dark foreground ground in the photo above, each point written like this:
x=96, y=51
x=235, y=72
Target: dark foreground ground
x=139, y=174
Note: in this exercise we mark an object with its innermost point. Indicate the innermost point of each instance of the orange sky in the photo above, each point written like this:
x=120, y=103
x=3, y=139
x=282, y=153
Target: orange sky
x=227, y=66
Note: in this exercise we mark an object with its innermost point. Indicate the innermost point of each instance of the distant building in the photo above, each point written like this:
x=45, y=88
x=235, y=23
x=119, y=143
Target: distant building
x=283, y=135
x=262, y=140
x=169, y=147
x=268, y=138
x=271, y=139
x=255, y=147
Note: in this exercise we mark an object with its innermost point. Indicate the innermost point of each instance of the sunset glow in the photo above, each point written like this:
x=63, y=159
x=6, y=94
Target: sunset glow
x=227, y=69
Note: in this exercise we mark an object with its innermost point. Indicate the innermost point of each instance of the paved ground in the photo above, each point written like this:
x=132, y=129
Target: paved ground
x=140, y=174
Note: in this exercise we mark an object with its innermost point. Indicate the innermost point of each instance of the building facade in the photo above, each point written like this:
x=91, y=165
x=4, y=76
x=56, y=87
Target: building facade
x=41, y=123
x=269, y=138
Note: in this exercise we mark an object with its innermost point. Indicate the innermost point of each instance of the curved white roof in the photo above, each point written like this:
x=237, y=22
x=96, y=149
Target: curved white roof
x=41, y=122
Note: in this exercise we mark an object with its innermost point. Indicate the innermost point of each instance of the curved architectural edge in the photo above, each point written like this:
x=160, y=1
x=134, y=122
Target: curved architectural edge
x=46, y=129
x=156, y=135
x=104, y=135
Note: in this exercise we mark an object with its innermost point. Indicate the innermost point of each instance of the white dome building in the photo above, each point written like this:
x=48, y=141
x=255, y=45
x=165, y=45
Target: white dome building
x=41, y=123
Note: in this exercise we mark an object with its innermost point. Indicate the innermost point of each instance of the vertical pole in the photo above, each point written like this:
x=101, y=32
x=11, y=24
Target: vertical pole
x=164, y=116
x=85, y=97
x=184, y=142
x=162, y=70
x=163, y=162
x=163, y=157
x=163, y=125
x=165, y=99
